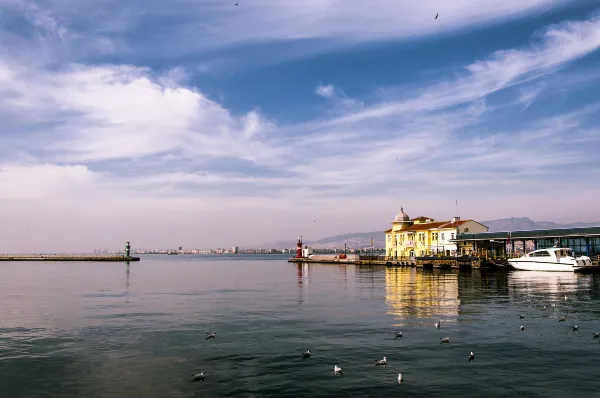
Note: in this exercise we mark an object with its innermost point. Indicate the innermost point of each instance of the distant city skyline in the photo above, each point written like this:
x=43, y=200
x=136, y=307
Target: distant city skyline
x=290, y=118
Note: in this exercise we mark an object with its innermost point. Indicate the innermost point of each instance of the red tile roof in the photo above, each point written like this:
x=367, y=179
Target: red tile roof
x=422, y=219
x=450, y=224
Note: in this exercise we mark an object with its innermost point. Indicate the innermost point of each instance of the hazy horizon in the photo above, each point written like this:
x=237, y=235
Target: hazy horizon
x=203, y=124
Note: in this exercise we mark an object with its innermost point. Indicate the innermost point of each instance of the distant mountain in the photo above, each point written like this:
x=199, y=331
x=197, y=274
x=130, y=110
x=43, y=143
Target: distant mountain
x=352, y=240
x=363, y=239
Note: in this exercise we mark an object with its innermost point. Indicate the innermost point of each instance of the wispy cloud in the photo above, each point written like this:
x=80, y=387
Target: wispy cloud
x=219, y=25
x=324, y=91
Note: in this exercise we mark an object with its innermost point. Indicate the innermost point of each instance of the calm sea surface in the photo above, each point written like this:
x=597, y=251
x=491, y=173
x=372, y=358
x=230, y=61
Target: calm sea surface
x=112, y=330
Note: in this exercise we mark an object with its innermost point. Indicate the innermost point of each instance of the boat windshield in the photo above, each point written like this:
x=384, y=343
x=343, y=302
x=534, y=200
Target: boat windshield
x=564, y=252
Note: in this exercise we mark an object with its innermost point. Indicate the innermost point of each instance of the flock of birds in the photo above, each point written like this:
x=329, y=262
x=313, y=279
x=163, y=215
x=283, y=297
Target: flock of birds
x=398, y=335
x=336, y=369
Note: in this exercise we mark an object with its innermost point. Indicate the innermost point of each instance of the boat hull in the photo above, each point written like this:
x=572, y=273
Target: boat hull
x=543, y=266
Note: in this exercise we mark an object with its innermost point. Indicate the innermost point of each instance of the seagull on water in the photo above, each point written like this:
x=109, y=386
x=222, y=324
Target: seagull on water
x=337, y=369
x=398, y=335
x=306, y=354
x=400, y=378
x=596, y=335
x=521, y=316
x=437, y=324
x=562, y=319
x=211, y=335
x=198, y=377
x=471, y=356
x=445, y=340
x=522, y=328
x=575, y=328
x=381, y=362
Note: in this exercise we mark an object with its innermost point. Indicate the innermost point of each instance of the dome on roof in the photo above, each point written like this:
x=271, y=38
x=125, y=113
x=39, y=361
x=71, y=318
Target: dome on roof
x=402, y=216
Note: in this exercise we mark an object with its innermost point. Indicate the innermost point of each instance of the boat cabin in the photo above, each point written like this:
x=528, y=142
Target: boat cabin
x=552, y=252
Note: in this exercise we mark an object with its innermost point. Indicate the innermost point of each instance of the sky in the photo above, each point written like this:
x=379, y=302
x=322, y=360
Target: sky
x=205, y=124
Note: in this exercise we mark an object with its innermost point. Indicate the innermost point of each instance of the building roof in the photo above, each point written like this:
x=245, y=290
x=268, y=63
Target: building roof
x=422, y=219
x=401, y=217
x=425, y=226
x=453, y=224
x=387, y=231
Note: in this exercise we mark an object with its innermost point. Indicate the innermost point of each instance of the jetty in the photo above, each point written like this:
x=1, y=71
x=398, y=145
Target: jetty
x=67, y=257
x=73, y=257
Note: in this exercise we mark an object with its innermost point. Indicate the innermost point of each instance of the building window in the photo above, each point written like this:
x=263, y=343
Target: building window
x=452, y=236
x=443, y=237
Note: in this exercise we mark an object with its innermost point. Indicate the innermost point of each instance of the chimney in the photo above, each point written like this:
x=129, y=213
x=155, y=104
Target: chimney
x=456, y=219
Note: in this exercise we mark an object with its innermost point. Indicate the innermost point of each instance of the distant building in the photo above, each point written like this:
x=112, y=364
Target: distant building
x=421, y=236
x=235, y=250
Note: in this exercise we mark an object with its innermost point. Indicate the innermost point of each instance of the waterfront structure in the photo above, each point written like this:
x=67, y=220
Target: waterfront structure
x=582, y=241
x=235, y=250
x=422, y=236
x=299, y=248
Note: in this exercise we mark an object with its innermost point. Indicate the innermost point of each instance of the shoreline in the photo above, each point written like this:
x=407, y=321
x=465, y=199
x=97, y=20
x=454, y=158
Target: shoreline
x=67, y=257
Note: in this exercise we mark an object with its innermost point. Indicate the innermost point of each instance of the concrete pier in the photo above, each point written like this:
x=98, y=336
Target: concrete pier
x=461, y=262
x=67, y=257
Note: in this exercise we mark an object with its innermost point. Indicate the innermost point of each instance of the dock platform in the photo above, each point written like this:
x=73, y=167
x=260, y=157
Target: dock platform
x=461, y=262
x=67, y=257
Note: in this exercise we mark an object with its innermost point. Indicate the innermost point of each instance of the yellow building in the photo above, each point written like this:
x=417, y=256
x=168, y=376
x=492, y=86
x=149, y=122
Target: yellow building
x=421, y=236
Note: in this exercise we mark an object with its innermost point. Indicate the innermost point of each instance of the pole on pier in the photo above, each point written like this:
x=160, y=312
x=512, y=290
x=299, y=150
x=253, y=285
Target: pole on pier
x=127, y=249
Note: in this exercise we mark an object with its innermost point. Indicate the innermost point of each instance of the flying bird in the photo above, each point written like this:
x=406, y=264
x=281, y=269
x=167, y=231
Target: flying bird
x=306, y=354
x=211, y=335
x=198, y=377
x=337, y=369
x=436, y=15
x=381, y=362
x=471, y=356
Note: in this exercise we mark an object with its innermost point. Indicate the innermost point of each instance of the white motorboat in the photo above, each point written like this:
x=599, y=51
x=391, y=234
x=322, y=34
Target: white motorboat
x=552, y=259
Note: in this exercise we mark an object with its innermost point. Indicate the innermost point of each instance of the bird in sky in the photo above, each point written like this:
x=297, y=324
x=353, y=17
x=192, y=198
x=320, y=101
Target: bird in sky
x=436, y=15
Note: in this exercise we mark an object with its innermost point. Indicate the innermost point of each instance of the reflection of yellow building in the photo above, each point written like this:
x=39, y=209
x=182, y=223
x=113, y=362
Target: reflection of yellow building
x=422, y=236
x=417, y=294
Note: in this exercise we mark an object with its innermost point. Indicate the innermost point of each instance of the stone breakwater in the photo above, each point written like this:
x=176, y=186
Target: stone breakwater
x=67, y=257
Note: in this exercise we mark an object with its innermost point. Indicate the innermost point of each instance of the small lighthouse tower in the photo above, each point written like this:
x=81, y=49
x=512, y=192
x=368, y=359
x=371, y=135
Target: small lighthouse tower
x=299, y=247
x=127, y=249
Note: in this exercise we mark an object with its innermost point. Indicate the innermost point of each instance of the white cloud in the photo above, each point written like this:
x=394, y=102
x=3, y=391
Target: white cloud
x=124, y=111
x=324, y=91
x=107, y=143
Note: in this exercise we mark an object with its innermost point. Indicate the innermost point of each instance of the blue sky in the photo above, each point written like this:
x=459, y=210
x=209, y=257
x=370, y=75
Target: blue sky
x=201, y=123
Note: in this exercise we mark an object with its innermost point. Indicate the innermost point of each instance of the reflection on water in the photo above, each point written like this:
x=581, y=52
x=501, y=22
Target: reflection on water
x=103, y=331
x=555, y=284
x=422, y=293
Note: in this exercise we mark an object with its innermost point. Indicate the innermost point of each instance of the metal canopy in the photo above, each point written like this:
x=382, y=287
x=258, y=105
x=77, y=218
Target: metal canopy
x=535, y=234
